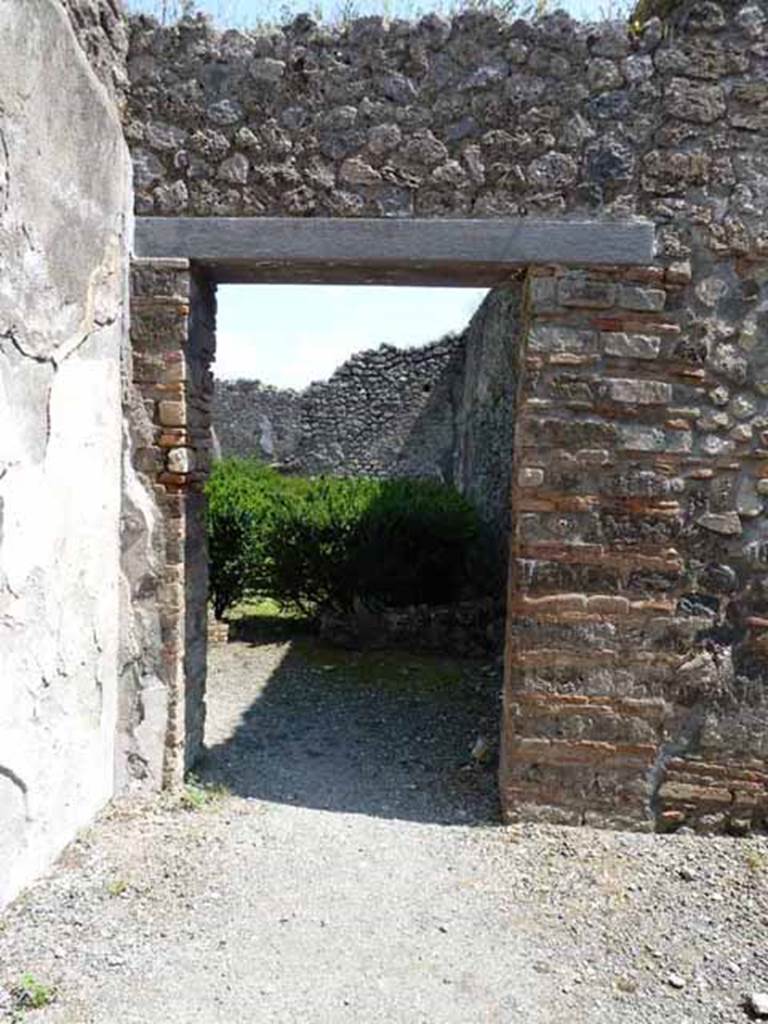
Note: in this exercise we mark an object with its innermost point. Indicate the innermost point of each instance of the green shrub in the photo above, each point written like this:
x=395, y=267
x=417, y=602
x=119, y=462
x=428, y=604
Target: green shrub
x=239, y=495
x=322, y=543
x=314, y=540
x=416, y=545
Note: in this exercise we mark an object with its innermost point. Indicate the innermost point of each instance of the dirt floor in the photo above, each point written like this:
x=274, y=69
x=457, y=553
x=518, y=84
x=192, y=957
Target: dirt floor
x=340, y=859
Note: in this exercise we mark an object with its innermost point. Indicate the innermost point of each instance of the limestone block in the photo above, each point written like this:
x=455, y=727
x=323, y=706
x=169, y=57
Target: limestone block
x=638, y=438
x=644, y=300
x=530, y=476
x=576, y=290
x=235, y=169
x=727, y=523
x=171, y=413
x=559, y=339
x=694, y=101
x=631, y=346
x=641, y=392
x=180, y=460
x=543, y=291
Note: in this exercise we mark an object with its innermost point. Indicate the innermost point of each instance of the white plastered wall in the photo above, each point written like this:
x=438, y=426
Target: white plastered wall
x=64, y=223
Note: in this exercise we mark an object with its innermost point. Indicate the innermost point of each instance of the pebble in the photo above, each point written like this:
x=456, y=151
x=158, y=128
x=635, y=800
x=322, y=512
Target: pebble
x=757, y=1003
x=481, y=749
x=676, y=981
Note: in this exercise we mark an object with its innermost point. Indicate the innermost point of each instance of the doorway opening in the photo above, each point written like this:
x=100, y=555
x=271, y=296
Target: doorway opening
x=180, y=264
x=385, y=703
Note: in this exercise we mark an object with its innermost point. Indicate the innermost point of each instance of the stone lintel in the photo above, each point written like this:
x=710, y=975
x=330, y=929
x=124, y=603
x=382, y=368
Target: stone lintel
x=387, y=251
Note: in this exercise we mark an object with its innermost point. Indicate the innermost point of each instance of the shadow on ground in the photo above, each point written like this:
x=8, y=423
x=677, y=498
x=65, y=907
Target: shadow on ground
x=386, y=734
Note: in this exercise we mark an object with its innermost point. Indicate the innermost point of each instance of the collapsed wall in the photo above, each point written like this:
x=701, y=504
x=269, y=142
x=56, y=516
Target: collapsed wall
x=252, y=420
x=64, y=224
x=385, y=412
x=388, y=412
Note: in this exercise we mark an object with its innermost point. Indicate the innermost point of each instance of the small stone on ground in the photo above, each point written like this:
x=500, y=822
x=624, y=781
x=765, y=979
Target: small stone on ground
x=758, y=1004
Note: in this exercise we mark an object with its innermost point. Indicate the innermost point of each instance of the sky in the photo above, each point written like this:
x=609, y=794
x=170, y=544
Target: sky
x=244, y=13
x=290, y=335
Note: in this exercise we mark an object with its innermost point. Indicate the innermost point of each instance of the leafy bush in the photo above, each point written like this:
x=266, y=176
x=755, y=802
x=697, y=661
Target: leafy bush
x=323, y=543
x=418, y=543
x=314, y=543
x=240, y=494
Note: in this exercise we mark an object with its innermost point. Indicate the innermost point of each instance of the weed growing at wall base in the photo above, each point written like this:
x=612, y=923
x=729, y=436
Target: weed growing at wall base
x=197, y=794
x=31, y=994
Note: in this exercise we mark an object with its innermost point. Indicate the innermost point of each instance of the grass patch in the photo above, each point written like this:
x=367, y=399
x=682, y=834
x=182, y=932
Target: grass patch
x=264, y=620
x=756, y=861
x=197, y=795
x=263, y=608
x=117, y=887
x=32, y=994
x=387, y=670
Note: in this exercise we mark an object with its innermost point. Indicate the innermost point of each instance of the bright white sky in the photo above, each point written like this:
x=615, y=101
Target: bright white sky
x=290, y=335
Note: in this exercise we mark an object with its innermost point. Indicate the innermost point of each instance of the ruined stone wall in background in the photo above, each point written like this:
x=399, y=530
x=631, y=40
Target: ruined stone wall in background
x=65, y=212
x=388, y=412
x=255, y=420
x=444, y=411
x=385, y=412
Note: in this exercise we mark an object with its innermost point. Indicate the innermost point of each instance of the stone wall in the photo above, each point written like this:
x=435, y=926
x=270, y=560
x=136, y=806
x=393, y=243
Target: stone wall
x=472, y=116
x=384, y=412
x=388, y=412
x=255, y=420
x=638, y=614
x=486, y=410
x=64, y=224
x=636, y=691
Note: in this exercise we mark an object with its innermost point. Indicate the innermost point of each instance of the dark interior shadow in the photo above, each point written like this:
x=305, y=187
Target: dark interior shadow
x=386, y=734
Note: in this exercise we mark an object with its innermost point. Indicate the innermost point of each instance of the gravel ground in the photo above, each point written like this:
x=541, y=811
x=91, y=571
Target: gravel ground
x=342, y=861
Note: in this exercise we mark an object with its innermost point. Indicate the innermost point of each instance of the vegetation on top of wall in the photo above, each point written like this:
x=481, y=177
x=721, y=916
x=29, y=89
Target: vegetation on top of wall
x=644, y=10
x=242, y=13
x=247, y=14
x=328, y=543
